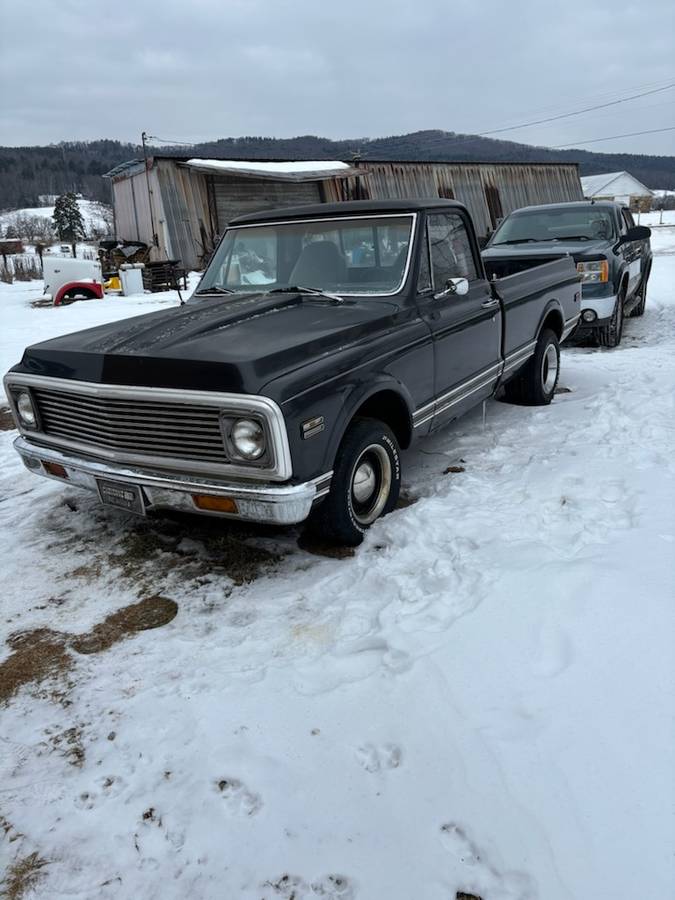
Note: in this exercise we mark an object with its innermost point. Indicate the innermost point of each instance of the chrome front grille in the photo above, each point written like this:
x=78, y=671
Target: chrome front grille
x=162, y=430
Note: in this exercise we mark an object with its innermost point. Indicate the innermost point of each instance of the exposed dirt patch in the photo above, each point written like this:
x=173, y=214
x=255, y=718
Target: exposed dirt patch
x=6, y=420
x=42, y=303
x=562, y=390
x=22, y=876
x=317, y=547
x=42, y=653
x=37, y=655
x=454, y=470
x=460, y=895
x=152, y=612
x=195, y=548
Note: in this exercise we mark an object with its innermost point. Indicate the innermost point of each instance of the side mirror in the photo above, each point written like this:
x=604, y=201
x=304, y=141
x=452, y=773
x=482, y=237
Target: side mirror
x=459, y=286
x=636, y=233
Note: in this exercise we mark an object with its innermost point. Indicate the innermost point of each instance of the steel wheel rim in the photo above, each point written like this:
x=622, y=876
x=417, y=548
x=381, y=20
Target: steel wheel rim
x=549, y=368
x=370, y=484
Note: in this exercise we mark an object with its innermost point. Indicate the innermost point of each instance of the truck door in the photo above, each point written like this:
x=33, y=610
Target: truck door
x=632, y=253
x=466, y=329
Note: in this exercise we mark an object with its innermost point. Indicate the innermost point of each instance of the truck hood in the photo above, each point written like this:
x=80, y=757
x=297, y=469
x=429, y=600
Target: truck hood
x=223, y=344
x=548, y=249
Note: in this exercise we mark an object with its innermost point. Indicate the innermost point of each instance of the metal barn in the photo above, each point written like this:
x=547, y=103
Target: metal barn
x=181, y=205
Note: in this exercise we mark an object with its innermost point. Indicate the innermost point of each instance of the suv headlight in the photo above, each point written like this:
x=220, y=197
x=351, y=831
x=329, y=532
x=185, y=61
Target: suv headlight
x=596, y=270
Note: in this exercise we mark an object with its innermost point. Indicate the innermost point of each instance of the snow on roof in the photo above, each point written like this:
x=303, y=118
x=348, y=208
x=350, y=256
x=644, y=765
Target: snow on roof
x=298, y=170
x=613, y=184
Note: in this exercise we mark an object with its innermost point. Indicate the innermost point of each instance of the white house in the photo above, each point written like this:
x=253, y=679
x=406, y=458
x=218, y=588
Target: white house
x=619, y=186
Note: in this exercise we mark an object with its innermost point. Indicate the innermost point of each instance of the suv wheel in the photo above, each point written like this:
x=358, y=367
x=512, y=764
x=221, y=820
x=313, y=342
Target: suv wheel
x=365, y=486
x=536, y=383
x=610, y=335
x=639, y=308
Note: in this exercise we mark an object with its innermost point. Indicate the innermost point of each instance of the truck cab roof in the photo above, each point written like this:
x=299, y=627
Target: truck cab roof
x=346, y=208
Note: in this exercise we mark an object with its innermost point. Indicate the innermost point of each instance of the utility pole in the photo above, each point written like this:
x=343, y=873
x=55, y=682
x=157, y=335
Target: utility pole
x=144, y=138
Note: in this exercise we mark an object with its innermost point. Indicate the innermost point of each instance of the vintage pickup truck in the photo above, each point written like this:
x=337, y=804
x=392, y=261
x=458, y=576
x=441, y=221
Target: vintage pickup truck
x=319, y=342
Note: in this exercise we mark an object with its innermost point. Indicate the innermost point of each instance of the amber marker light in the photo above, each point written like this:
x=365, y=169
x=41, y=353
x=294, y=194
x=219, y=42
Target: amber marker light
x=55, y=469
x=215, y=504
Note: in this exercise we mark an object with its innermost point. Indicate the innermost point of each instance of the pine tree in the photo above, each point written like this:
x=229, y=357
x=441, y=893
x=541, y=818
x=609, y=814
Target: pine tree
x=68, y=221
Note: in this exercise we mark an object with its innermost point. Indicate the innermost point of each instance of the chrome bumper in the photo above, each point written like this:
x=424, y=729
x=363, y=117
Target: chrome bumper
x=285, y=504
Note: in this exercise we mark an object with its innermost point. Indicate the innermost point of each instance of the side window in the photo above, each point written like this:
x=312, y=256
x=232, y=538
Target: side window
x=451, y=255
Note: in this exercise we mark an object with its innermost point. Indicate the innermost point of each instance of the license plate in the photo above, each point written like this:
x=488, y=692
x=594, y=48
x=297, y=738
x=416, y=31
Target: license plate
x=123, y=496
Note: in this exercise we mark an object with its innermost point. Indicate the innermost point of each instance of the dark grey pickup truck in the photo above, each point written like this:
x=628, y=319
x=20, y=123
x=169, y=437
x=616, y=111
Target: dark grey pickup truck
x=612, y=254
x=320, y=341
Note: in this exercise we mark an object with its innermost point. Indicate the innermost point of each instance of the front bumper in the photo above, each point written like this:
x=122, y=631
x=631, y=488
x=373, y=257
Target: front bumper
x=603, y=307
x=285, y=504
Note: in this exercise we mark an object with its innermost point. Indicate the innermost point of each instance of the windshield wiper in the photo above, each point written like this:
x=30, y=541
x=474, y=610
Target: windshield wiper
x=517, y=241
x=301, y=289
x=216, y=289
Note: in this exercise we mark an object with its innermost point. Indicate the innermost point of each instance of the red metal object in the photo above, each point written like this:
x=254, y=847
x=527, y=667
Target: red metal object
x=92, y=288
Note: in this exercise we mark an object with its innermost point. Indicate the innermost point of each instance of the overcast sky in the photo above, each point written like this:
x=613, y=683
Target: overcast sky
x=203, y=69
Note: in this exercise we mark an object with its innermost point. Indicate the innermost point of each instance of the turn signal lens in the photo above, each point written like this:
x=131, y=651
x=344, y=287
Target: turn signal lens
x=55, y=469
x=215, y=504
x=594, y=271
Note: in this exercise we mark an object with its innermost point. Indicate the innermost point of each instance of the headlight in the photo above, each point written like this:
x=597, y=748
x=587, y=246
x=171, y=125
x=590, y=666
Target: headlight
x=24, y=406
x=597, y=270
x=248, y=438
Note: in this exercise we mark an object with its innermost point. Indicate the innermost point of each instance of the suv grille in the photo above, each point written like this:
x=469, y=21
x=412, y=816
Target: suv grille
x=133, y=427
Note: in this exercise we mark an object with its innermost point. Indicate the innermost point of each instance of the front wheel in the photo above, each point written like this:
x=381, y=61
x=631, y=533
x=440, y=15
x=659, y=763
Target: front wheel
x=366, y=483
x=639, y=308
x=535, y=384
x=610, y=335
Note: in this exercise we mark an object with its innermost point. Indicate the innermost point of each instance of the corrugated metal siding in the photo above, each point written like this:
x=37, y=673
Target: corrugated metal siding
x=237, y=196
x=509, y=185
x=190, y=209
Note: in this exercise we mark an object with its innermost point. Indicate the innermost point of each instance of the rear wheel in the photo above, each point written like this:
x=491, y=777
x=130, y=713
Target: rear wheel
x=366, y=483
x=610, y=335
x=535, y=384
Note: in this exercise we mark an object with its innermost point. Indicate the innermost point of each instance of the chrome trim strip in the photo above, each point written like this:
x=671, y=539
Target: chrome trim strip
x=280, y=470
x=420, y=415
x=519, y=356
x=346, y=218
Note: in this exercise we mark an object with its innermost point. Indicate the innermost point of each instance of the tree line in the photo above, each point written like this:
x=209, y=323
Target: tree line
x=28, y=173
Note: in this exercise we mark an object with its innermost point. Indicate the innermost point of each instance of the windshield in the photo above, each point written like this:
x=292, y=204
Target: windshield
x=365, y=255
x=587, y=223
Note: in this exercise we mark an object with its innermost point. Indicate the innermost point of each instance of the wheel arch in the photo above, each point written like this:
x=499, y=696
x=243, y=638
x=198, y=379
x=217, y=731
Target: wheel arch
x=552, y=318
x=388, y=401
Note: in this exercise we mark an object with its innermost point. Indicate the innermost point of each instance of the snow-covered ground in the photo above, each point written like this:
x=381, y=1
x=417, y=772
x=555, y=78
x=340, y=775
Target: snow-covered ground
x=96, y=216
x=479, y=699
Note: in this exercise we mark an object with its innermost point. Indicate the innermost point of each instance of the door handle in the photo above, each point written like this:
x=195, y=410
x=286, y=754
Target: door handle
x=489, y=304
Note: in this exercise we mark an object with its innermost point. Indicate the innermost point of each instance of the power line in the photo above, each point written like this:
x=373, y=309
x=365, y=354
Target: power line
x=577, y=112
x=615, y=136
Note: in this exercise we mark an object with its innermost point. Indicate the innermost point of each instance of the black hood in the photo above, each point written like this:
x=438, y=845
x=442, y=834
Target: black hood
x=548, y=249
x=226, y=344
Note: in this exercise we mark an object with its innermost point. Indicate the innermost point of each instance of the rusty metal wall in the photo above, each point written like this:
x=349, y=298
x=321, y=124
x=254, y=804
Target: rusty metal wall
x=187, y=204
x=508, y=185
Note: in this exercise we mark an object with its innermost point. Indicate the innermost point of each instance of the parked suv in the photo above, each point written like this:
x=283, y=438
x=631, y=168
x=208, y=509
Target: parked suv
x=612, y=254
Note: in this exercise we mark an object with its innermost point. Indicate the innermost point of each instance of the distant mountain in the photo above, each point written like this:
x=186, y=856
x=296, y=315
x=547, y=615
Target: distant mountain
x=27, y=172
